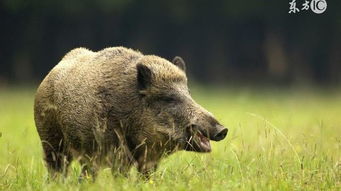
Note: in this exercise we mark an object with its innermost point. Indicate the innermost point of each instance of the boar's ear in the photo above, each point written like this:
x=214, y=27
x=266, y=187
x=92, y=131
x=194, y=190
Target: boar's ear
x=179, y=62
x=144, y=76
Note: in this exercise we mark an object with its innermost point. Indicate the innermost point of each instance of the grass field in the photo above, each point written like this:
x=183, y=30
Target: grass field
x=278, y=140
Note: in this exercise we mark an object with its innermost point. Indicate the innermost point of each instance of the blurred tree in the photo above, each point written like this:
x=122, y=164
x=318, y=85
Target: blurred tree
x=222, y=41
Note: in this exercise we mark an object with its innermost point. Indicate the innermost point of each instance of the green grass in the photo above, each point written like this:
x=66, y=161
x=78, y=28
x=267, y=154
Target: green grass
x=278, y=140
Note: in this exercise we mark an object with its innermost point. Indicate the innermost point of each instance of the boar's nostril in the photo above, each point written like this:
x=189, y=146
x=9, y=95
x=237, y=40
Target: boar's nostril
x=220, y=135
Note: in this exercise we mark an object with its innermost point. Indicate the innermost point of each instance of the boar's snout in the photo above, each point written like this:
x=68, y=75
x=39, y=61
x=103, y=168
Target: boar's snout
x=199, y=138
x=215, y=131
x=219, y=133
x=203, y=128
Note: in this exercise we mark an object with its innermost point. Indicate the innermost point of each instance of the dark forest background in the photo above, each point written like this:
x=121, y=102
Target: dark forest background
x=224, y=42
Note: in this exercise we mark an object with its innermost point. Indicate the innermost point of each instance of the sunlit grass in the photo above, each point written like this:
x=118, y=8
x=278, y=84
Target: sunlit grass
x=278, y=140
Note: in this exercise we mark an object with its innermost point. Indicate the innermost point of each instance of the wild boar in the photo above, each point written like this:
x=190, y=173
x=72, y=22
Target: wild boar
x=118, y=107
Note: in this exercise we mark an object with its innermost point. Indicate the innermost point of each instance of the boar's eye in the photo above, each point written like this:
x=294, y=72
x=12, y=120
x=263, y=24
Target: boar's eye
x=167, y=99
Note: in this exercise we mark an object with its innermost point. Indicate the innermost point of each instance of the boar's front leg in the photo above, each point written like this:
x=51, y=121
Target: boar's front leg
x=122, y=157
x=147, y=168
x=147, y=161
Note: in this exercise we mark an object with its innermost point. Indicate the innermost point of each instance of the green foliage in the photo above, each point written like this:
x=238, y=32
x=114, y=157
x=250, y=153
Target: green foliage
x=222, y=41
x=65, y=6
x=278, y=140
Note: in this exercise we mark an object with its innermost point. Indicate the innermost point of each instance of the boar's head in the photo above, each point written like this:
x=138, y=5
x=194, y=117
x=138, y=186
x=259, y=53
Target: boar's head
x=171, y=117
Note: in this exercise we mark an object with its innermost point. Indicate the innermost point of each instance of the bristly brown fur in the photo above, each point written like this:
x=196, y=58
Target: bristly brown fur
x=101, y=108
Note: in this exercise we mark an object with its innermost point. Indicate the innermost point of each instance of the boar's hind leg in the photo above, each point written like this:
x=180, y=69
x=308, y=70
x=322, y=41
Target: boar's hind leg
x=57, y=157
x=57, y=160
x=89, y=170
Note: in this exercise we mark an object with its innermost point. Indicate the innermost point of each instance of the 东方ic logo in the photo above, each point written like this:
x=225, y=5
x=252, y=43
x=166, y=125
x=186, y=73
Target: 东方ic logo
x=317, y=6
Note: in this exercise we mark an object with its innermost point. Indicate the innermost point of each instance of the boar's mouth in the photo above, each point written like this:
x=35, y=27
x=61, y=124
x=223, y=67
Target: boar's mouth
x=197, y=140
